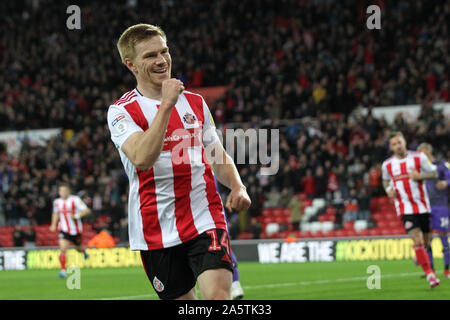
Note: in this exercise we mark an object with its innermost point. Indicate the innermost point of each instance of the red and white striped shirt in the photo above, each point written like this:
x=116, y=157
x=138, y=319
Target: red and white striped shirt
x=176, y=199
x=65, y=208
x=411, y=196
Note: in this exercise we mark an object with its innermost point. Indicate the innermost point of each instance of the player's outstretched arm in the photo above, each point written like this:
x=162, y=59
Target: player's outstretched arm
x=84, y=213
x=55, y=218
x=144, y=148
x=226, y=173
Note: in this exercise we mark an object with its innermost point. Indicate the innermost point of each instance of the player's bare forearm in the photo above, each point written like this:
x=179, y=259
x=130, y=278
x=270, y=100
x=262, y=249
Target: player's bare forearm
x=85, y=213
x=388, y=188
x=55, y=218
x=429, y=175
x=224, y=168
x=143, y=149
x=227, y=174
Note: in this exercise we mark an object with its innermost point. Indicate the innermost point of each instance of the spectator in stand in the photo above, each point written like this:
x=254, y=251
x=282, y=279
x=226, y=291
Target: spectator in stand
x=29, y=236
x=18, y=236
x=351, y=207
x=309, y=184
x=102, y=240
x=296, y=207
x=272, y=198
x=116, y=212
x=321, y=182
x=255, y=228
x=285, y=198
x=363, y=204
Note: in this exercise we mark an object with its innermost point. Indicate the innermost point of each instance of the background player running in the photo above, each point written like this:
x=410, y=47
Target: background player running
x=68, y=210
x=440, y=213
x=403, y=176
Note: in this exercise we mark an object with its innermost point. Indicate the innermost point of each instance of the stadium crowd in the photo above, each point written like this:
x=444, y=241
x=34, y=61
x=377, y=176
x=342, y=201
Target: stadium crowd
x=293, y=59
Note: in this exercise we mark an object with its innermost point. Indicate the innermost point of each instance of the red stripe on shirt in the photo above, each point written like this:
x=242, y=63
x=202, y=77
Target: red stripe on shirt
x=401, y=205
x=64, y=211
x=75, y=220
x=420, y=183
x=147, y=190
x=407, y=187
x=214, y=202
x=182, y=185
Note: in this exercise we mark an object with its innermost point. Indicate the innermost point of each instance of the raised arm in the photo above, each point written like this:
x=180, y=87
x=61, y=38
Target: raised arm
x=144, y=148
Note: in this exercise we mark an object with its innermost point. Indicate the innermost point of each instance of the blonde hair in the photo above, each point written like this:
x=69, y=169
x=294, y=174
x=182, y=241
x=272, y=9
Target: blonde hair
x=134, y=34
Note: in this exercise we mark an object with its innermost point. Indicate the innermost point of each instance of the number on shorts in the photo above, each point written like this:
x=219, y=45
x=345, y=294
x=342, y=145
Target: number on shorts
x=224, y=241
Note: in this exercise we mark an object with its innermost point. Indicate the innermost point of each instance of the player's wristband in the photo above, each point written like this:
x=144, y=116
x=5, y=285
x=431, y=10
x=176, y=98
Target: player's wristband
x=389, y=188
x=77, y=216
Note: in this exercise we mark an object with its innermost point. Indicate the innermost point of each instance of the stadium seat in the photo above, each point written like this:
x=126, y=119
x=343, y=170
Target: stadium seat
x=316, y=226
x=348, y=225
x=374, y=232
x=326, y=226
x=310, y=211
x=267, y=212
x=360, y=225
x=306, y=234
x=339, y=233
x=362, y=232
x=350, y=233
x=383, y=224
x=272, y=228
x=278, y=212
x=318, y=203
x=306, y=226
x=317, y=234
x=329, y=233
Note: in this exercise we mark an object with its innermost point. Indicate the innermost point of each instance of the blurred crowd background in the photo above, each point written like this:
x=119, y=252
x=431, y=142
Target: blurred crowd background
x=305, y=67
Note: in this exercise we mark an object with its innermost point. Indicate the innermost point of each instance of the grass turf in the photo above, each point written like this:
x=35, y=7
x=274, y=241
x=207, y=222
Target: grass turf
x=289, y=281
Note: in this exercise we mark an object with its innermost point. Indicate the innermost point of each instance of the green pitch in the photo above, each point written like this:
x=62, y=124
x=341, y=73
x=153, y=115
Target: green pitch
x=314, y=280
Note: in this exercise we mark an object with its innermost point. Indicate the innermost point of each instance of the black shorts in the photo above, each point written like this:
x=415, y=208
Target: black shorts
x=75, y=239
x=173, y=271
x=412, y=221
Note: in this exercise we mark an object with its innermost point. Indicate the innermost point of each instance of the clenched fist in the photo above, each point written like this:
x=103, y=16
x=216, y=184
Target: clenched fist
x=171, y=89
x=238, y=200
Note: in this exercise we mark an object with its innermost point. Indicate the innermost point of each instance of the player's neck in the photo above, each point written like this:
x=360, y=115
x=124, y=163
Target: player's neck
x=402, y=155
x=149, y=90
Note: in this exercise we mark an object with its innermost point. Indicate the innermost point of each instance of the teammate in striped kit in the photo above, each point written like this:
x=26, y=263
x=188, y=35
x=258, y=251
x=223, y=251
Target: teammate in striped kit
x=403, y=175
x=68, y=210
x=176, y=216
x=440, y=213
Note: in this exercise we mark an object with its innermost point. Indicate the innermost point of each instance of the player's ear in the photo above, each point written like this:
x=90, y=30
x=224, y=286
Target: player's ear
x=130, y=65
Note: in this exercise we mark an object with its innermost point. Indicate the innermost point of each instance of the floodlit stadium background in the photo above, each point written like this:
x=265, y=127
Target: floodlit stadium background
x=311, y=69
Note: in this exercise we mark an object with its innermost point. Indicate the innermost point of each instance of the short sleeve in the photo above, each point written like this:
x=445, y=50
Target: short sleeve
x=384, y=173
x=80, y=205
x=425, y=164
x=209, y=128
x=55, y=207
x=121, y=125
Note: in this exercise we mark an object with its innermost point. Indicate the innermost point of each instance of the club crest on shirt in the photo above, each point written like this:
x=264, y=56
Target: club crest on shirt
x=189, y=118
x=158, y=285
